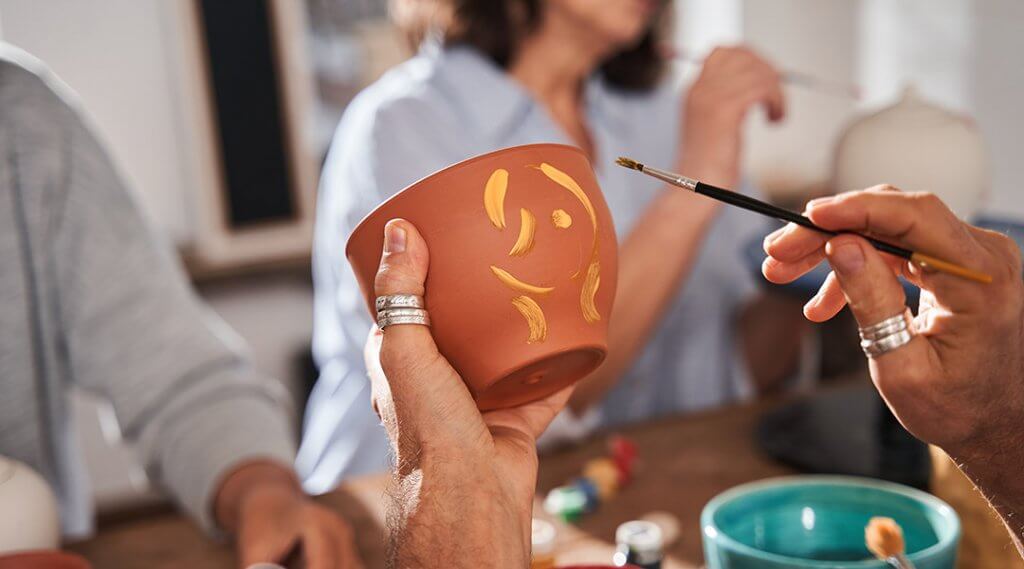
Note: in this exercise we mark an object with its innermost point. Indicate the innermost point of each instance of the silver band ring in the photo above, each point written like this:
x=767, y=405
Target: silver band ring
x=411, y=312
x=386, y=319
x=875, y=348
x=892, y=324
x=399, y=301
x=887, y=335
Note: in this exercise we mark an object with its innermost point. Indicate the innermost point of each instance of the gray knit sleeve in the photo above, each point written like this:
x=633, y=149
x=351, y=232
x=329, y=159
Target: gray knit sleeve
x=136, y=333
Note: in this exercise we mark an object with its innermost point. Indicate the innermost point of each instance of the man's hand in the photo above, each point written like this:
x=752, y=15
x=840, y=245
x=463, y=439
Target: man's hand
x=959, y=383
x=262, y=504
x=732, y=81
x=466, y=479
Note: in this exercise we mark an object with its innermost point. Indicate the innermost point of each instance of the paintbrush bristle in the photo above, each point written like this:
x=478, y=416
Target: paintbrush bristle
x=884, y=538
x=629, y=163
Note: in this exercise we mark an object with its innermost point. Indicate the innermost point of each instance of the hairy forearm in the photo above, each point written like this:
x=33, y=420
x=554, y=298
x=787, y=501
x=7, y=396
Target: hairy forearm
x=446, y=514
x=655, y=257
x=996, y=474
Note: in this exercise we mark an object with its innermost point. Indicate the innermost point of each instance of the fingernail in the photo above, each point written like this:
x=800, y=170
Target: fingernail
x=847, y=258
x=394, y=238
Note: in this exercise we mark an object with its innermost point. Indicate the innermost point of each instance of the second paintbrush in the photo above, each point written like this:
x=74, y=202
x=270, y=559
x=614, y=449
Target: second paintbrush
x=770, y=210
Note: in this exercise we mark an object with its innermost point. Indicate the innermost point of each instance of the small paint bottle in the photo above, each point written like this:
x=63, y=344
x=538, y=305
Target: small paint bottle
x=542, y=540
x=638, y=543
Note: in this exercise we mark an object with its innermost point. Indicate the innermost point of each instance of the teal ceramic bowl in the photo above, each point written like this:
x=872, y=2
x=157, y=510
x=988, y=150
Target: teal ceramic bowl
x=819, y=521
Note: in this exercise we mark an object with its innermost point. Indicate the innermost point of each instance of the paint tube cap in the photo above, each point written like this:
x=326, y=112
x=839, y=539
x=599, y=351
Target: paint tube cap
x=566, y=502
x=640, y=537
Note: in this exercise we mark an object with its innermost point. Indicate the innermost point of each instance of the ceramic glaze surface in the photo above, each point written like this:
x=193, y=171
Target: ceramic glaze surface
x=519, y=306
x=819, y=521
x=28, y=509
x=916, y=146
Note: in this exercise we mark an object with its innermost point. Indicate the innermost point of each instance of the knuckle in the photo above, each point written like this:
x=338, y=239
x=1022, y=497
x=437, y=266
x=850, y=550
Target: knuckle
x=928, y=201
x=885, y=188
x=391, y=280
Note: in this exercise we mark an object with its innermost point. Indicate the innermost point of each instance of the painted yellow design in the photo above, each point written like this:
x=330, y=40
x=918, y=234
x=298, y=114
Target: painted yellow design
x=561, y=219
x=527, y=227
x=494, y=197
x=534, y=316
x=593, y=274
x=562, y=179
x=590, y=286
x=518, y=285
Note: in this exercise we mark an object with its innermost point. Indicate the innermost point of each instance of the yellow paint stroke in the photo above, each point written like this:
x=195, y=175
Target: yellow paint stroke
x=590, y=285
x=518, y=285
x=534, y=316
x=494, y=197
x=593, y=274
x=561, y=219
x=527, y=227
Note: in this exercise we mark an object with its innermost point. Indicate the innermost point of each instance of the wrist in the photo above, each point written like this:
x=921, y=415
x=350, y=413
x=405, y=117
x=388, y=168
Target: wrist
x=720, y=169
x=244, y=481
x=457, y=509
x=994, y=469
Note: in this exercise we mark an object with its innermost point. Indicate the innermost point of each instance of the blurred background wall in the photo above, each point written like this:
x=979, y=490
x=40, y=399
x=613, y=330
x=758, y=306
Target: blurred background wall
x=137, y=65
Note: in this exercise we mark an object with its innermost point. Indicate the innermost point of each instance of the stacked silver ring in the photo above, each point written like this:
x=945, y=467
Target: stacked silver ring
x=887, y=335
x=401, y=309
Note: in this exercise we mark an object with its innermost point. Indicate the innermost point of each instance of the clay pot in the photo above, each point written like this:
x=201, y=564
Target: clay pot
x=42, y=560
x=518, y=240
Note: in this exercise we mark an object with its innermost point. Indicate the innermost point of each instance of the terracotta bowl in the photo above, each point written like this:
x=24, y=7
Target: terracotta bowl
x=522, y=268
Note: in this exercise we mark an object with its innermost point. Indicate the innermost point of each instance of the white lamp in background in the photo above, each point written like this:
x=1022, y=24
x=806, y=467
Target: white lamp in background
x=29, y=517
x=916, y=146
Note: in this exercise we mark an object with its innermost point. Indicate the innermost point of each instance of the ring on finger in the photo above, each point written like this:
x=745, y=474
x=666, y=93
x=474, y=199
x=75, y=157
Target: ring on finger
x=888, y=334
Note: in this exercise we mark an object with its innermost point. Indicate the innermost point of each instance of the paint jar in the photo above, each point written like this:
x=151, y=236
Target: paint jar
x=638, y=543
x=542, y=539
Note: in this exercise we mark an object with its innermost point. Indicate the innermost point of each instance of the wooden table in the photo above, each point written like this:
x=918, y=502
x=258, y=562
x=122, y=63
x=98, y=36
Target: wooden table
x=685, y=461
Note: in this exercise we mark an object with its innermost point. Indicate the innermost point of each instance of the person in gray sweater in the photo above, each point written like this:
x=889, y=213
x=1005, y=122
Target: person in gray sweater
x=90, y=297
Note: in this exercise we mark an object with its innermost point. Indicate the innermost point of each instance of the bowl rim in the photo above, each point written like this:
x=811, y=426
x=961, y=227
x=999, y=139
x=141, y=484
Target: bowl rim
x=938, y=505
x=460, y=164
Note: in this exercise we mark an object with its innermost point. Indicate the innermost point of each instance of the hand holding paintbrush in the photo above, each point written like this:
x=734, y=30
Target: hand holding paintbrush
x=791, y=77
x=757, y=206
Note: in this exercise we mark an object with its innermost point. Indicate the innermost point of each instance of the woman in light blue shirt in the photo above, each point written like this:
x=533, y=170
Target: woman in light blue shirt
x=572, y=71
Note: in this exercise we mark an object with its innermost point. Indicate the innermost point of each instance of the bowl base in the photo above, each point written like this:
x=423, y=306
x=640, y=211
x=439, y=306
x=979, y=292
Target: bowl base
x=539, y=378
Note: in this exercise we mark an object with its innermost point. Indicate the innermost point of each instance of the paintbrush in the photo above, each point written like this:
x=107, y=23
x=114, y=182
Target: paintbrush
x=791, y=77
x=769, y=210
x=884, y=539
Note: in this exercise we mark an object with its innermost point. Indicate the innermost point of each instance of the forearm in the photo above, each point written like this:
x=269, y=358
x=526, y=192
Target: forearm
x=442, y=514
x=655, y=257
x=195, y=441
x=996, y=474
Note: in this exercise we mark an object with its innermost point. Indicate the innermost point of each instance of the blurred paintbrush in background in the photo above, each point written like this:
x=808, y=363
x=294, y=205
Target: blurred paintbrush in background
x=790, y=77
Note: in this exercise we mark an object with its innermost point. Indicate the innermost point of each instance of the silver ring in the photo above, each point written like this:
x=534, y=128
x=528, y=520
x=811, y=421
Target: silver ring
x=875, y=348
x=887, y=335
x=411, y=312
x=399, y=301
x=891, y=325
x=392, y=317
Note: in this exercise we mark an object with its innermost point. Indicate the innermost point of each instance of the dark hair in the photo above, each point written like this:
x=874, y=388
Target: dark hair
x=496, y=27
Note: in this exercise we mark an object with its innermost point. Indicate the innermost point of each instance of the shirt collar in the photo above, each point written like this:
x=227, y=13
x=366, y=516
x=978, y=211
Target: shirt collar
x=494, y=102
x=477, y=86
